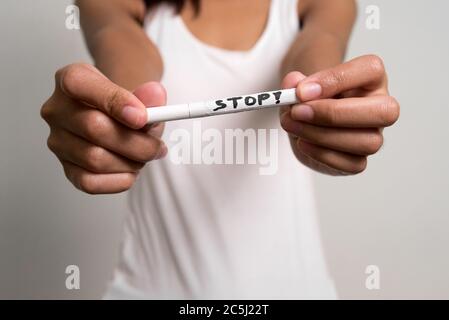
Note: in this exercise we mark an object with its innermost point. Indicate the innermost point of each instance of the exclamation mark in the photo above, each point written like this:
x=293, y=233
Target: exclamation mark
x=277, y=96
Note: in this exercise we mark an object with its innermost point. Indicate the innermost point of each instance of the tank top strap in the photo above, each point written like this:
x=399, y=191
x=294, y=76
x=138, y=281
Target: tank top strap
x=286, y=17
x=158, y=20
x=283, y=21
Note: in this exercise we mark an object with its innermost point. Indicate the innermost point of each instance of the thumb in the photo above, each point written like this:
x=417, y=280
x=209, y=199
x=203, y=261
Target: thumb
x=151, y=94
x=86, y=84
x=291, y=80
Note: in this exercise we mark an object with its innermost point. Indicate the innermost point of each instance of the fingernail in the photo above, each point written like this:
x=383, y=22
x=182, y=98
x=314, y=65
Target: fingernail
x=310, y=91
x=132, y=116
x=302, y=112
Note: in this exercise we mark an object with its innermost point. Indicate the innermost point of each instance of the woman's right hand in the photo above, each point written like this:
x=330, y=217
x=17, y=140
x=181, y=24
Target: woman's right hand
x=98, y=129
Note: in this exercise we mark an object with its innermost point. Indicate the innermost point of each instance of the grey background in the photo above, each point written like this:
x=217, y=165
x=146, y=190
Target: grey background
x=396, y=215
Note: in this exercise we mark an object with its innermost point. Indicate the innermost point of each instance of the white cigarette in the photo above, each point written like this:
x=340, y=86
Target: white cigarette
x=222, y=106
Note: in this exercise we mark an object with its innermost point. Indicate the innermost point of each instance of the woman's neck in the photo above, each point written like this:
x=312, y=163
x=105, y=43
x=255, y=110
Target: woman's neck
x=230, y=24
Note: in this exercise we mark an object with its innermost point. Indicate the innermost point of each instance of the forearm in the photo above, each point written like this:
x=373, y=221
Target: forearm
x=320, y=45
x=311, y=53
x=118, y=44
x=327, y=25
x=126, y=56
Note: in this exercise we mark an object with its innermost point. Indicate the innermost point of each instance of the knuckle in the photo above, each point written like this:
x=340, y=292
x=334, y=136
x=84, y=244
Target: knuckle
x=96, y=125
x=390, y=111
x=331, y=114
x=52, y=143
x=335, y=79
x=373, y=143
x=376, y=64
x=149, y=152
x=46, y=111
x=113, y=99
x=71, y=76
x=94, y=157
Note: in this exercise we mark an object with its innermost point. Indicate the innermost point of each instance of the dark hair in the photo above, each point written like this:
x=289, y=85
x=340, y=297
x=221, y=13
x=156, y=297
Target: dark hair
x=179, y=4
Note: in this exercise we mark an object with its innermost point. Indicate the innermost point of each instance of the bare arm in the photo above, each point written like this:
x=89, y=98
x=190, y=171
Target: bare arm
x=94, y=113
x=345, y=106
x=117, y=41
x=322, y=42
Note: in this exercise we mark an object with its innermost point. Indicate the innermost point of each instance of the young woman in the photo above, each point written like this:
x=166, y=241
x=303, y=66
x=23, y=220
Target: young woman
x=223, y=230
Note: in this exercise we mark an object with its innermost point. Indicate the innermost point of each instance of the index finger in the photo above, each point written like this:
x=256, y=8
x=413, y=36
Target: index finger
x=368, y=112
x=80, y=82
x=366, y=72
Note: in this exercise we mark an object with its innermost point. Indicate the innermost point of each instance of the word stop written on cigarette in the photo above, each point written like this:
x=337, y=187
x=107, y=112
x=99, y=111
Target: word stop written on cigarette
x=223, y=106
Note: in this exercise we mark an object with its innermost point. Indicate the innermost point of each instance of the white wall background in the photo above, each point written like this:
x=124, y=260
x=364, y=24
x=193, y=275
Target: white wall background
x=396, y=215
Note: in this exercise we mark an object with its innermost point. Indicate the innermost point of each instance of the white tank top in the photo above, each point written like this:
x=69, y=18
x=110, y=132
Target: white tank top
x=230, y=212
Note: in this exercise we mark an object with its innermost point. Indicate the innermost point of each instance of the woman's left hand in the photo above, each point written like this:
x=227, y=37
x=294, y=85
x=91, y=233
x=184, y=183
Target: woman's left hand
x=342, y=115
